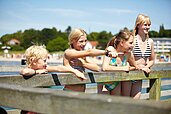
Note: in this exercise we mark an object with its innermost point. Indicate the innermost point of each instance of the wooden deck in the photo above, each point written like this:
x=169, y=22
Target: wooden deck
x=27, y=94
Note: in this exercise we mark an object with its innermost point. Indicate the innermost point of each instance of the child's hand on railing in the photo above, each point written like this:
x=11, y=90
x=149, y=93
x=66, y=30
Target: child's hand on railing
x=41, y=71
x=126, y=68
x=79, y=75
x=146, y=69
x=140, y=67
x=143, y=68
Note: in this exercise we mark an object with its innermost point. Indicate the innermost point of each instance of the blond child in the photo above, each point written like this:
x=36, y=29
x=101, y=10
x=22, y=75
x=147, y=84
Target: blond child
x=78, y=58
x=143, y=50
x=36, y=60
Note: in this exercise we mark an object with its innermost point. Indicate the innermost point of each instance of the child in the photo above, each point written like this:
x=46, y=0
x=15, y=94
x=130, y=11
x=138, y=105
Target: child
x=76, y=57
x=36, y=57
x=143, y=51
x=36, y=60
x=122, y=44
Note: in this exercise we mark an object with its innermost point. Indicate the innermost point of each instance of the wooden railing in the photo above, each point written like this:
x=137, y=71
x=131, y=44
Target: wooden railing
x=21, y=93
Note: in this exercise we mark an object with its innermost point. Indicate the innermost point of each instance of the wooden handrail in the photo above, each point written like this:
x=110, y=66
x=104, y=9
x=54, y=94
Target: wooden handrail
x=93, y=77
x=50, y=101
x=19, y=92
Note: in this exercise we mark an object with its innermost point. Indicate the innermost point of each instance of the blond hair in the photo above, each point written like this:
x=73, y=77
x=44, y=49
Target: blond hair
x=122, y=35
x=35, y=53
x=141, y=19
x=75, y=35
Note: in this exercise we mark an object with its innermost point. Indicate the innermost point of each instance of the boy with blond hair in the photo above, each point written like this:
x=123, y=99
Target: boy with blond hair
x=36, y=60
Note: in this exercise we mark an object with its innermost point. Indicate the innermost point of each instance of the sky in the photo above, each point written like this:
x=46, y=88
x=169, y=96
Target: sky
x=90, y=15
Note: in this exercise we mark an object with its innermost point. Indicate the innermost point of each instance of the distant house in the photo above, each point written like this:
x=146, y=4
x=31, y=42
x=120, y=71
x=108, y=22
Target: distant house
x=91, y=45
x=13, y=42
x=162, y=44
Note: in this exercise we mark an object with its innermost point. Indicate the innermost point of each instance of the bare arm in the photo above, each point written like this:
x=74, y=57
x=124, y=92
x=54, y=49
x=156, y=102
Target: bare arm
x=79, y=74
x=107, y=67
x=66, y=69
x=89, y=64
x=152, y=57
x=72, y=53
x=30, y=72
x=131, y=61
x=59, y=68
x=106, y=63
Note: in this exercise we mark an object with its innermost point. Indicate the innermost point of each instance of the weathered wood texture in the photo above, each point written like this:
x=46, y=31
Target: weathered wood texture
x=17, y=92
x=95, y=77
x=50, y=101
x=5, y=68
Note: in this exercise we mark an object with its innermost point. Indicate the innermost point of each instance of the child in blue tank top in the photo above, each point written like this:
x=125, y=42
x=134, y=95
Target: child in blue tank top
x=121, y=44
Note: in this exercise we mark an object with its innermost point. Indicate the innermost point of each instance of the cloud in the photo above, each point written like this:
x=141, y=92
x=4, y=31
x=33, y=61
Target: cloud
x=117, y=11
x=16, y=16
x=64, y=12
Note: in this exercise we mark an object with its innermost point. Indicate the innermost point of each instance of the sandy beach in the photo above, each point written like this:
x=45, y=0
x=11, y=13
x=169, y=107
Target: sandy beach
x=55, y=60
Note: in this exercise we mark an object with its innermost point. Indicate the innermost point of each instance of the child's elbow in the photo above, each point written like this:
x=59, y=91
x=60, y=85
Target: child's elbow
x=97, y=69
x=24, y=72
x=104, y=69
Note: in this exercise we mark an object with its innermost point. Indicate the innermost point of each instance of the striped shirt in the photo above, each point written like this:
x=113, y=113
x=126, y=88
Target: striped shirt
x=138, y=53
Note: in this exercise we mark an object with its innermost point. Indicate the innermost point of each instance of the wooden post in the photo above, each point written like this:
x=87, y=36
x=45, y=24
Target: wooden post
x=155, y=89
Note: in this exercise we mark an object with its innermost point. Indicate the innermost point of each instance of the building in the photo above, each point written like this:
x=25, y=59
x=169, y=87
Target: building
x=91, y=45
x=162, y=45
x=13, y=42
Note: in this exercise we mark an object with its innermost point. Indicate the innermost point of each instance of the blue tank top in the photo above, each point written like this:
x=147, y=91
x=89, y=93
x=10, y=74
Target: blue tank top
x=113, y=62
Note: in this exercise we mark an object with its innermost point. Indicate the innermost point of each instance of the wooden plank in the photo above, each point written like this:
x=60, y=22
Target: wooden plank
x=155, y=89
x=68, y=78
x=14, y=111
x=50, y=101
x=5, y=68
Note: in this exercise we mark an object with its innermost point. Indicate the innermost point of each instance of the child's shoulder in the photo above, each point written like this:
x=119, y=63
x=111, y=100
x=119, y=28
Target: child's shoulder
x=69, y=50
x=150, y=40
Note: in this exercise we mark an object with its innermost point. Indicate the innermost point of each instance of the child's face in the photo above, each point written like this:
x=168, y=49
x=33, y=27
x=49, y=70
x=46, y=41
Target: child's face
x=80, y=44
x=40, y=64
x=144, y=27
x=128, y=45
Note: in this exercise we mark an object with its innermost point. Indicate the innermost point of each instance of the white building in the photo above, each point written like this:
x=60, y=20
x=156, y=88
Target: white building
x=162, y=44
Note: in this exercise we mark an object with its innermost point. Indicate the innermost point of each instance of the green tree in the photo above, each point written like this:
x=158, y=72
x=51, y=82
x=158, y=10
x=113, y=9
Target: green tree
x=5, y=38
x=153, y=34
x=57, y=44
x=93, y=36
x=161, y=31
x=30, y=37
x=103, y=39
x=47, y=35
x=68, y=30
x=18, y=35
x=16, y=48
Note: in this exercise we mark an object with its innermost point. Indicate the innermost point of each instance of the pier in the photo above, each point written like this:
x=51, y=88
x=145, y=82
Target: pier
x=31, y=94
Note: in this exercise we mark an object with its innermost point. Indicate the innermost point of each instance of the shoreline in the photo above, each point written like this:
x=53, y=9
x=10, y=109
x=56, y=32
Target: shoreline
x=55, y=60
x=51, y=60
x=19, y=59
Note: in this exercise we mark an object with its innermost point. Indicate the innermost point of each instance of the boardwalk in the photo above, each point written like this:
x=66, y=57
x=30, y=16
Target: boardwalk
x=51, y=101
